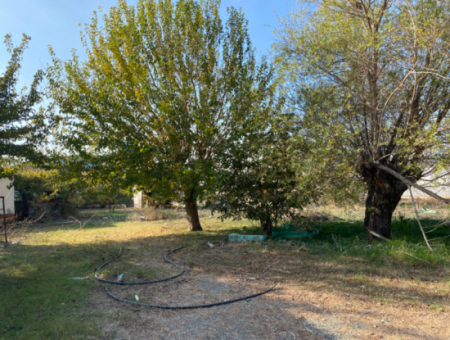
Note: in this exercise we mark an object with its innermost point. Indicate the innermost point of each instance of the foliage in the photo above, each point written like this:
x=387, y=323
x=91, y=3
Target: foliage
x=35, y=185
x=21, y=127
x=370, y=80
x=105, y=195
x=266, y=179
x=167, y=91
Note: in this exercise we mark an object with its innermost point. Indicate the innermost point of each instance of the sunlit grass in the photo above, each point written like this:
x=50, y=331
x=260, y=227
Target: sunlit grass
x=40, y=299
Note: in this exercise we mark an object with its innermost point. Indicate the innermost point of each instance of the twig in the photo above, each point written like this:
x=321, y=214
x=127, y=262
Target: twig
x=377, y=235
x=418, y=258
x=26, y=224
x=84, y=223
x=418, y=220
x=266, y=269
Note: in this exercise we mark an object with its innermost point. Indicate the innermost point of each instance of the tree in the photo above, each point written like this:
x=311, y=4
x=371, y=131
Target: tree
x=370, y=79
x=20, y=124
x=166, y=90
x=266, y=179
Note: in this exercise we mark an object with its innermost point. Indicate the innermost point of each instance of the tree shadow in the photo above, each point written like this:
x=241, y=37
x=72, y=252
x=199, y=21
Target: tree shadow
x=41, y=279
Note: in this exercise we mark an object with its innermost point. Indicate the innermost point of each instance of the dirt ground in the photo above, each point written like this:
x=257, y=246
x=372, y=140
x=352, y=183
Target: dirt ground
x=312, y=300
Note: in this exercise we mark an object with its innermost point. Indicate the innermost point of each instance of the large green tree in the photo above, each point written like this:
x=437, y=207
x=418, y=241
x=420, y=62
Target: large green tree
x=166, y=92
x=370, y=79
x=20, y=123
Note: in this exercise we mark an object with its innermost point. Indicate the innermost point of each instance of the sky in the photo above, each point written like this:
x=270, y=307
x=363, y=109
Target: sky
x=55, y=23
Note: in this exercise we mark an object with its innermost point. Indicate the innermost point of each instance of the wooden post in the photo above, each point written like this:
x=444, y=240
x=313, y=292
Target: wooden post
x=4, y=221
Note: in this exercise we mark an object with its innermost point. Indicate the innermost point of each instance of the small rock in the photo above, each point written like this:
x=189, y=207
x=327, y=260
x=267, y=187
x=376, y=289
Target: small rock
x=210, y=245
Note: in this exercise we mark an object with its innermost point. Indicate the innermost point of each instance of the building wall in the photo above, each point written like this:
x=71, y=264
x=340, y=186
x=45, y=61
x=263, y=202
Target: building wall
x=138, y=200
x=9, y=196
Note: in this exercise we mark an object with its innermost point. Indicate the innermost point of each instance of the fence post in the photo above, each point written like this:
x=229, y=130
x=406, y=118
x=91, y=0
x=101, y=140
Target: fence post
x=4, y=220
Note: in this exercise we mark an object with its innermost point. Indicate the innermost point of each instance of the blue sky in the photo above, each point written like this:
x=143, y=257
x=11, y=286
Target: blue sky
x=55, y=22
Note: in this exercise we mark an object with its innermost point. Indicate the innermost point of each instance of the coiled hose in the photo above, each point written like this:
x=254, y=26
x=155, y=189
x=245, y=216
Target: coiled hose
x=162, y=280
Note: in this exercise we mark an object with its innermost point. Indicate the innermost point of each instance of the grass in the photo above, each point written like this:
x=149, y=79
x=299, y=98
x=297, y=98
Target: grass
x=40, y=299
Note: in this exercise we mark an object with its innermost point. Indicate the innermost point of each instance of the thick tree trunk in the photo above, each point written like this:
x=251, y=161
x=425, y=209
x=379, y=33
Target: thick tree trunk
x=384, y=193
x=192, y=214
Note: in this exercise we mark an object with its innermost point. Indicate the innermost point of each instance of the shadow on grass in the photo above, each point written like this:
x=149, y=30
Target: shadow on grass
x=41, y=299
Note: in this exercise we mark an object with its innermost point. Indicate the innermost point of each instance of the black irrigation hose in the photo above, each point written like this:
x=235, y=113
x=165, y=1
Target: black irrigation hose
x=143, y=282
x=161, y=280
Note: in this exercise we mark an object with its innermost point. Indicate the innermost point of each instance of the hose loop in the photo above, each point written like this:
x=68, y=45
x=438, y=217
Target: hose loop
x=162, y=280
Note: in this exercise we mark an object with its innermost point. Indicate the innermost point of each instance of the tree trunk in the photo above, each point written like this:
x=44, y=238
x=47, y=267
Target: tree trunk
x=192, y=214
x=384, y=193
x=266, y=225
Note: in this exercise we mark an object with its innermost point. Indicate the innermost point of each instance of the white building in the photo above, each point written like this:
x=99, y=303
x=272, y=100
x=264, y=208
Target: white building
x=139, y=199
x=8, y=194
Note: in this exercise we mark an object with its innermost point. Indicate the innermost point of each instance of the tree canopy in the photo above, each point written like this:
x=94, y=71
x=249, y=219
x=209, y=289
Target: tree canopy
x=166, y=91
x=21, y=126
x=370, y=79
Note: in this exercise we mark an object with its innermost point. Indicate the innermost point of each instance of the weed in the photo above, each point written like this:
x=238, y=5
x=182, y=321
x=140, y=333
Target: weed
x=436, y=307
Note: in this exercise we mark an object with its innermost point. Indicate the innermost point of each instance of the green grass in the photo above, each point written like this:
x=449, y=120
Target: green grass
x=349, y=239
x=39, y=299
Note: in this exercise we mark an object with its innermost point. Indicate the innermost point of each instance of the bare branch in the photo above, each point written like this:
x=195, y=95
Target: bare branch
x=409, y=183
x=418, y=219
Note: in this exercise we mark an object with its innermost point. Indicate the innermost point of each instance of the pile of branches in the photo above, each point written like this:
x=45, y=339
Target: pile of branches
x=45, y=212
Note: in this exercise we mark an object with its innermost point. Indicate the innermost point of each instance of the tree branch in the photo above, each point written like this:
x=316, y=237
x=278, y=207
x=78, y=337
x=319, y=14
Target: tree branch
x=418, y=220
x=410, y=184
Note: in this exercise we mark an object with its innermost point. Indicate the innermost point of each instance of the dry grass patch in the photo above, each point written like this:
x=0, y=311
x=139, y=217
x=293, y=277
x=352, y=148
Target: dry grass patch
x=334, y=286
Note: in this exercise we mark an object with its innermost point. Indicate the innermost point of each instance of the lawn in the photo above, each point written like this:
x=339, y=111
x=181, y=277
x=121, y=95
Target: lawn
x=337, y=282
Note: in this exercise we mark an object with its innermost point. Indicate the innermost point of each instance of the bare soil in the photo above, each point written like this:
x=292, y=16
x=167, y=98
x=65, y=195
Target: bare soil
x=313, y=299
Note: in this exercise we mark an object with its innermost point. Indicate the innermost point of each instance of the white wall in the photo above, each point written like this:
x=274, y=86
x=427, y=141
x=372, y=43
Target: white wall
x=8, y=194
x=137, y=198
